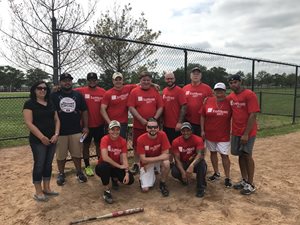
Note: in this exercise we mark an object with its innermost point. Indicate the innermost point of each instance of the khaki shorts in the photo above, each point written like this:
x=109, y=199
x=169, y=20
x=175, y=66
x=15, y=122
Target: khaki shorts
x=68, y=143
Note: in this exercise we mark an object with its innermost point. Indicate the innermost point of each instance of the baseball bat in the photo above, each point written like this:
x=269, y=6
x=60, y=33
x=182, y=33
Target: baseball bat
x=110, y=215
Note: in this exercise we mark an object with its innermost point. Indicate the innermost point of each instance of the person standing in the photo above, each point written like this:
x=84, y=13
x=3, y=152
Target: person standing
x=43, y=123
x=71, y=108
x=195, y=93
x=114, y=103
x=244, y=106
x=153, y=149
x=174, y=107
x=144, y=102
x=93, y=96
x=113, y=163
x=189, y=154
x=215, y=129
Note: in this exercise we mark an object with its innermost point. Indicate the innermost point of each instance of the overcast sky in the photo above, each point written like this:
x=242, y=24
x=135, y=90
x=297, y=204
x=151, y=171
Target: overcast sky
x=268, y=29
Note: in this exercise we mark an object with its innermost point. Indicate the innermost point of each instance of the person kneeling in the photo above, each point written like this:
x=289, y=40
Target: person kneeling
x=113, y=163
x=153, y=149
x=188, y=150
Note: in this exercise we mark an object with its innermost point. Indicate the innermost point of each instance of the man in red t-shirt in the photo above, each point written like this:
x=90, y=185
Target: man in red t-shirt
x=174, y=107
x=244, y=106
x=113, y=163
x=153, y=149
x=189, y=153
x=215, y=129
x=93, y=96
x=144, y=102
x=114, y=103
x=195, y=93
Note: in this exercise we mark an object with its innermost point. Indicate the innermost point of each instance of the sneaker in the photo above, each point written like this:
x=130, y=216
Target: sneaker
x=240, y=185
x=115, y=184
x=228, y=183
x=135, y=169
x=248, y=189
x=60, y=180
x=107, y=197
x=200, y=193
x=81, y=178
x=89, y=171
x=163, y=189
x=214, y=177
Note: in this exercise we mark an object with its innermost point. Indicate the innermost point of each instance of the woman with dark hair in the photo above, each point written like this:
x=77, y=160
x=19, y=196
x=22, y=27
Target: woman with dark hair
x=42, y=120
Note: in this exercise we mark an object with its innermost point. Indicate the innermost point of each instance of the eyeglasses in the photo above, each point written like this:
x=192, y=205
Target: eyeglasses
x=152, y=127
x=41, y=88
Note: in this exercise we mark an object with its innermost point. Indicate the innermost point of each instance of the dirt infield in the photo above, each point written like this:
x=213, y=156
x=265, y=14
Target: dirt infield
x=276, y=201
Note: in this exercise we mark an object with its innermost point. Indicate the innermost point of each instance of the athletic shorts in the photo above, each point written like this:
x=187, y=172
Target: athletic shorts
x=171, y=133
x=221, y=147
x=237, y=148
x=136, y=133
x=69, y=143
x=147, y=175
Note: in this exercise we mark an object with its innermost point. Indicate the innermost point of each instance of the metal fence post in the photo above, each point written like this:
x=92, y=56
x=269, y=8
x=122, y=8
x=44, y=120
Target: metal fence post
x=253, y=75
x=55, y=54
x=295, y=96
x=185, y=66
x=260, y=101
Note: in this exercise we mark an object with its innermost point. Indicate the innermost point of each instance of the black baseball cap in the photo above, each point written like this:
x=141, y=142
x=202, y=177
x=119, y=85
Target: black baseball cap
x=91, y=75
x=234, y=77
x=65, y=76
x=196, y=69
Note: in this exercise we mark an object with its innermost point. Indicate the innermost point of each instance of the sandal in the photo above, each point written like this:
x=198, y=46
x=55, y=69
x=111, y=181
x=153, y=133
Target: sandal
x=42, y=198
x=51, y=193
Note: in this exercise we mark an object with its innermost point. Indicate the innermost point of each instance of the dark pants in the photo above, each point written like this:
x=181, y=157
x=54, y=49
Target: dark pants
x=200, y=169
x=95, y=133
x=105, y=171
x=42, y=157
x=171, y=133
x=196, y=129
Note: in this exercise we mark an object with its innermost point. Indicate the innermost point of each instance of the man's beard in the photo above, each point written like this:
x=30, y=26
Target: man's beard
x=66, y=88
x=172, y=85
x=153, y=133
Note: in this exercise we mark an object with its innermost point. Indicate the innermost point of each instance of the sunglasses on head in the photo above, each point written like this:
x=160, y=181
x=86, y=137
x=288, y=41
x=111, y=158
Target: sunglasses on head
x=152, y=127
x=41, y=88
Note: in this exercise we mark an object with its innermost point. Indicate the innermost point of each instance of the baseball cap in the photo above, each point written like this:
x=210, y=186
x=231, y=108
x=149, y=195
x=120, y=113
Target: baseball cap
x=220, y=85
x=235, y=77
x=91, y=75
x=196, y=69
x=114, y=123
x=117, y=74
x=186, y=125
x=65, y=76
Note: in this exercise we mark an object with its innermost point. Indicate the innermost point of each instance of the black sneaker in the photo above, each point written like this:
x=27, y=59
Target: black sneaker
x=227, y=183
x=240, y=185
x=60, y=180
x=135, y=169
x=115, y=184
x=214, y=177
x=81, y=177
x=248, y=189
x=163, y=189
x=184, y=183
x=107, y=197
x=200, y=193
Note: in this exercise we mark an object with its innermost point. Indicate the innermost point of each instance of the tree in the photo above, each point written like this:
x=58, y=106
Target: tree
x=34, y=75
x=11, y=78
x=122, y=56
x=30, y=38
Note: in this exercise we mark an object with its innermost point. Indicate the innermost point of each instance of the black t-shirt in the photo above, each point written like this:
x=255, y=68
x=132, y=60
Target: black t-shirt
x=69, y=107
x=42, y=118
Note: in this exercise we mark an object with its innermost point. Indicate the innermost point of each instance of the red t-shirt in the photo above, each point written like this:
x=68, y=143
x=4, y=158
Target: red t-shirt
x=116, y=102
x=195, y=96
x=114, y=148
x=187, y=148
x=146, y=102
x=173, y=99
x=93, y=99
x=217, y=119
x=152, y=147
x=242, y=105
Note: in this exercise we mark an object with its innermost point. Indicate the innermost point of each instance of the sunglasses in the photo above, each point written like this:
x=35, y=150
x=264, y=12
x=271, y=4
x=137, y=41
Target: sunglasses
x=152, y=127
x=41, y=88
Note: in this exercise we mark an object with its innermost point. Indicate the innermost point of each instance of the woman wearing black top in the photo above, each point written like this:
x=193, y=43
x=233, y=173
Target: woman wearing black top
x=42, y=120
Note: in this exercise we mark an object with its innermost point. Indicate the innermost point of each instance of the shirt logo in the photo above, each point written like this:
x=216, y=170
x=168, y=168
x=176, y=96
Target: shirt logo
x=209, y=110
x=87, y=96
x=67, y=105
x=140, y=98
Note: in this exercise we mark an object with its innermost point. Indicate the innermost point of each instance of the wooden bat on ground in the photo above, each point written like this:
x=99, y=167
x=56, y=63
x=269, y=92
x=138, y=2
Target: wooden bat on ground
x=110, y=215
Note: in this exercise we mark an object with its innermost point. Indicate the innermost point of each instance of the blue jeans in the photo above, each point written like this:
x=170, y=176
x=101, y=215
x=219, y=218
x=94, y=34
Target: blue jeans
x=42, y=157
